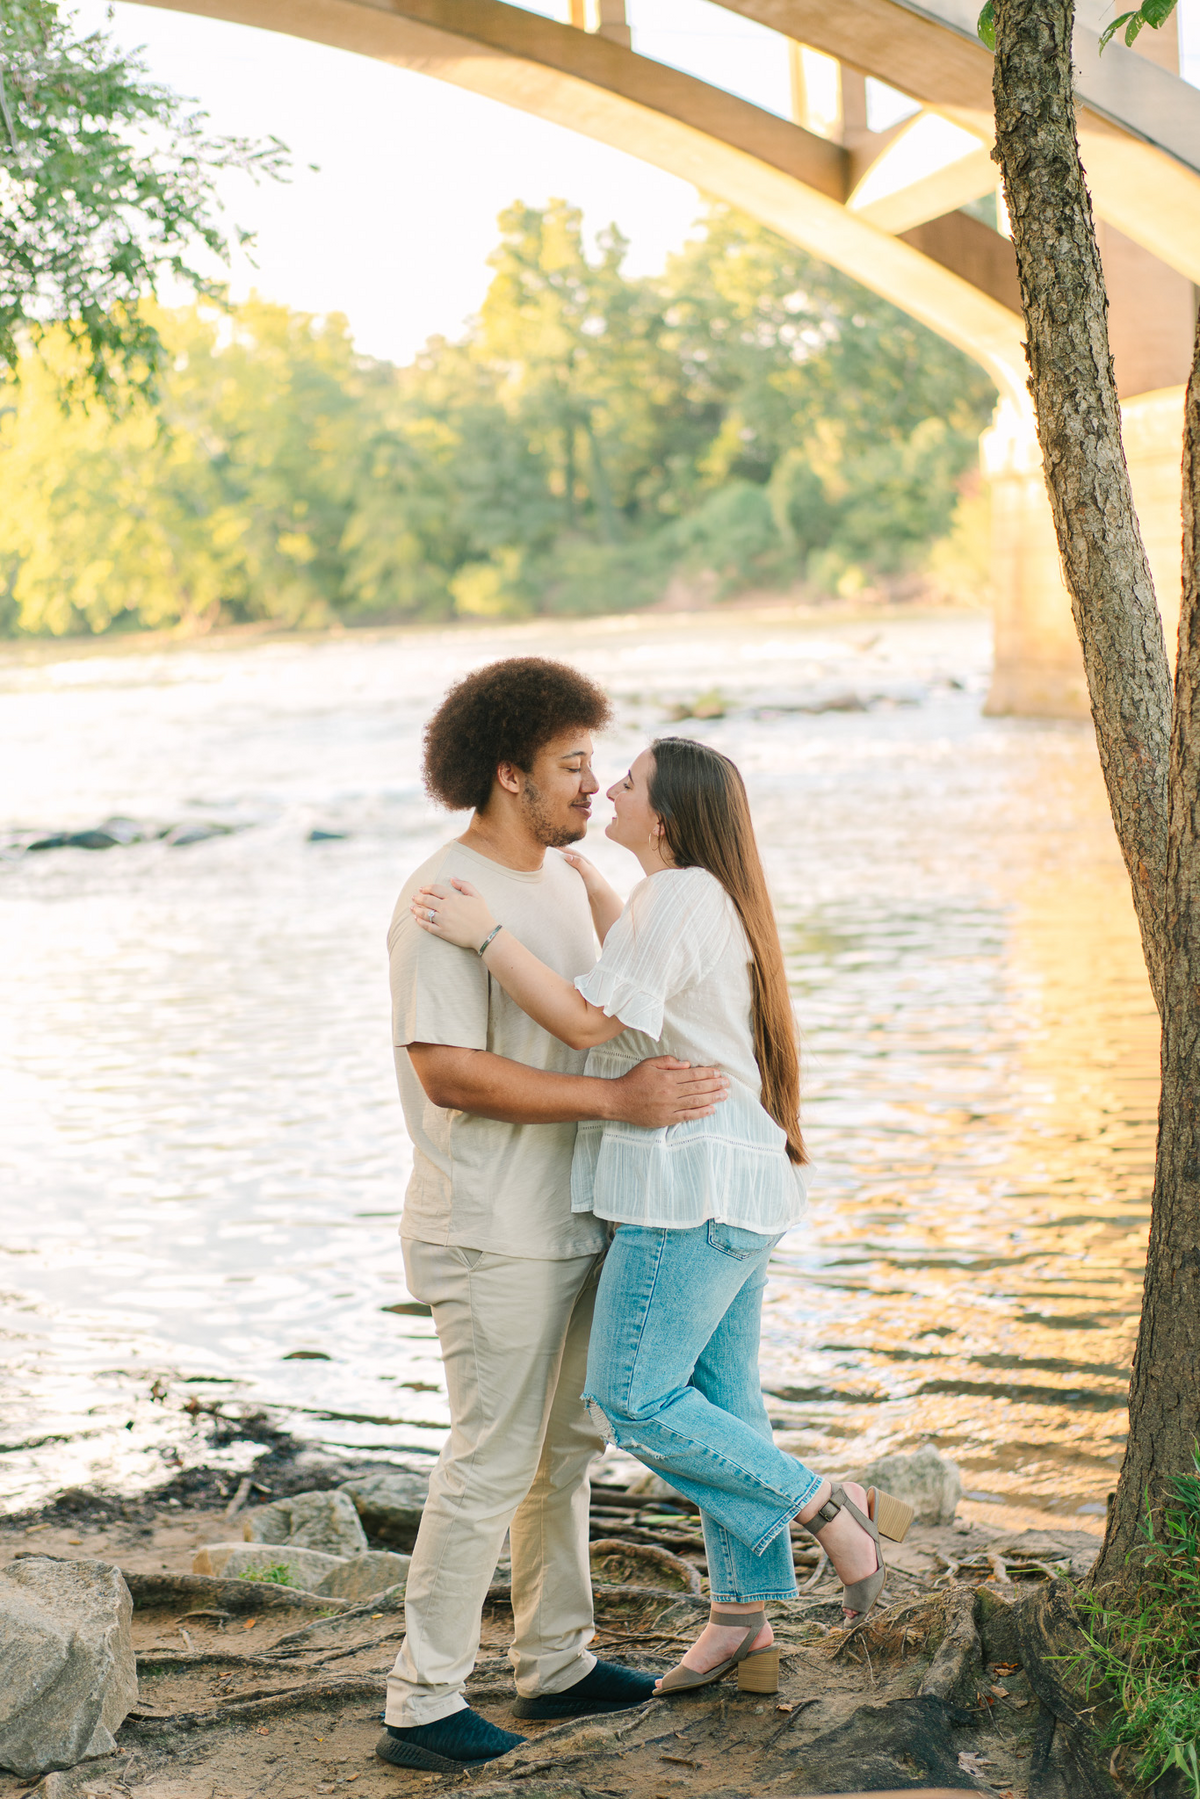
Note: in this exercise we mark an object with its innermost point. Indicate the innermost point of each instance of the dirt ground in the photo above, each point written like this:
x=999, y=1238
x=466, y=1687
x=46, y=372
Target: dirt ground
x=248, y=1690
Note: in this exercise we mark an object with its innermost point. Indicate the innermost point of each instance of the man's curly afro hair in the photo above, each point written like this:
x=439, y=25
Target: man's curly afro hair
x=504, y=712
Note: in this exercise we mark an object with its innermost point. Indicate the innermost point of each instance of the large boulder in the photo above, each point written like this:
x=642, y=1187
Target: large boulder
x=324, y=1521
x=67, y=1671
x=362, y=1575
x=928, y=1482
x=305, y=1568
x=390, y=1504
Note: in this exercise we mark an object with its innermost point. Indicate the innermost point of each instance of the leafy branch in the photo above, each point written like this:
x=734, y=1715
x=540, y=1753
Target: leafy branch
x=1154, y=13
x=106, y=188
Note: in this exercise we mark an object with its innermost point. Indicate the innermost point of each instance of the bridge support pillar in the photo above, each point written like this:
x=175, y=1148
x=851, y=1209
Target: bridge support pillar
x=1038, y=670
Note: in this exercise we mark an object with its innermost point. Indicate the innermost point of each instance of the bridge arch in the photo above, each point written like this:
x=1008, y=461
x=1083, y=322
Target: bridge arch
x=912, y=242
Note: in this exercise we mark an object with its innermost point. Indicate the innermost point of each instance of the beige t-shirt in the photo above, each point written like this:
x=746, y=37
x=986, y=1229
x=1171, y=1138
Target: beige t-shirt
x=477, y=1183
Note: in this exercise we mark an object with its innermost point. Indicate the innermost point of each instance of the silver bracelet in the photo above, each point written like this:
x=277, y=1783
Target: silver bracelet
x=494, y=932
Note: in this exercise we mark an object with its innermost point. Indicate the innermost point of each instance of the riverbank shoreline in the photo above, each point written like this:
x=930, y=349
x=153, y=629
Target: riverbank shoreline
x=92, y=1518
x=756, y=608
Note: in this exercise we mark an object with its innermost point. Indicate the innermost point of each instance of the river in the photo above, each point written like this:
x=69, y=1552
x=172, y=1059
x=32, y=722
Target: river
x=204, y=1158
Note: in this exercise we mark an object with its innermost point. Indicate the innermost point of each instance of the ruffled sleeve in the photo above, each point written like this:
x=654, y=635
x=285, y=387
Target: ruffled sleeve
x=670, y=935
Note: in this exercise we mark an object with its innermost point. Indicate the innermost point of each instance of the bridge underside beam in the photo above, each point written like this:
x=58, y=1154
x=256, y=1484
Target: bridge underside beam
x=788, y=178
x=1139, y=126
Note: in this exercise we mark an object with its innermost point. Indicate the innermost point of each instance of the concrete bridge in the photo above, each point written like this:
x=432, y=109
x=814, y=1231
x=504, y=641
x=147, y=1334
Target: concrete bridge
x=907, y=211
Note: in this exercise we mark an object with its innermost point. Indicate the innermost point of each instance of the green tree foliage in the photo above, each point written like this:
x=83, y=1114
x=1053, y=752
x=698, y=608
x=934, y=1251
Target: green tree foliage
x=105, y=187
x=749, y=418
x=1153, y=13
x=230, y=500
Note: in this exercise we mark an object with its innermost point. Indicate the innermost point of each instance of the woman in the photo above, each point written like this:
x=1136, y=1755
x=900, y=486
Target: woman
x=692, y=967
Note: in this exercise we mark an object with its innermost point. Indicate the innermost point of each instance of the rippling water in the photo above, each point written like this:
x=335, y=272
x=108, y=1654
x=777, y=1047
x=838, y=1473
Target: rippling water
x=204, y=1157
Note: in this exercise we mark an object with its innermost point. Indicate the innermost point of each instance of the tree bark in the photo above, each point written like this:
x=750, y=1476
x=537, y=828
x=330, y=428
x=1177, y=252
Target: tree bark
x=1079, y=430
x=1149, y=751
x=1164, y=1393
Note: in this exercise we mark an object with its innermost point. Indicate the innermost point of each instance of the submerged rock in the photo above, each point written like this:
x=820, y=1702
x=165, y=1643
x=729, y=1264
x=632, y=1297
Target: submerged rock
x=113, y=832
x=67, y=1672
x=200, y=832
x=324, y=1521
x=926, y=1480
x=390, y=1505
x=306, y=1568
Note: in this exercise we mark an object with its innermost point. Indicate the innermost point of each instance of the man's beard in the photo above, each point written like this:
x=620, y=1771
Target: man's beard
x=548, y=831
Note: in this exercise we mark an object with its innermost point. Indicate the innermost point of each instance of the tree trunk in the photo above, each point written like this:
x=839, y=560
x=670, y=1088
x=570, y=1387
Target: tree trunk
x=1079, y=430
x=1164, y=1394
x=1149, y=757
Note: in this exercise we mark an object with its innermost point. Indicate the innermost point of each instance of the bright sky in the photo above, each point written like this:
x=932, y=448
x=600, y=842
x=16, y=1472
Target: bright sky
x=394, y=224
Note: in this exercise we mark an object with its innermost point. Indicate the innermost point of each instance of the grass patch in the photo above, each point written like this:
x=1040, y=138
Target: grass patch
x=1145, y=1645
x=278, y=1575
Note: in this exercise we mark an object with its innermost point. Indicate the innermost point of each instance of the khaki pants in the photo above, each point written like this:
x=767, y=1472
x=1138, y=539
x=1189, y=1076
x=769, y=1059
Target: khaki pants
x=514, y=1338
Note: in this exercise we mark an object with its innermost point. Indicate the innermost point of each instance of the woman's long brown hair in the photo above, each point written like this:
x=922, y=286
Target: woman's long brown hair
x=701, y=801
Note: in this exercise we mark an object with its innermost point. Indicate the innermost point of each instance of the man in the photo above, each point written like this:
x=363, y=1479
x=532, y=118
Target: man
x=490, y=1242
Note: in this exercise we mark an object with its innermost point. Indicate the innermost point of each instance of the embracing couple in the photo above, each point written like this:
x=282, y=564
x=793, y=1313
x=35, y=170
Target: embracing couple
x=606, y=1151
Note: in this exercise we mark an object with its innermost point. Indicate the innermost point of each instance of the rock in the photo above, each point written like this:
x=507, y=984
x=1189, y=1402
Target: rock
x=181, y=835
x=390, y=1505
x=124, y=830
x=925, y=1480
x=837, y=702
x=317, y=835
x=67, y=1672
x=325, y=1521
x=98, y=839
x=106, y=836
x=306, y=1568
x=371, y=1572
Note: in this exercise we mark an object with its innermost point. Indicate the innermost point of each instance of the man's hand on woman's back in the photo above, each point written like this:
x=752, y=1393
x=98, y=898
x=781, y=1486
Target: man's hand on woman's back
x=665, y=1091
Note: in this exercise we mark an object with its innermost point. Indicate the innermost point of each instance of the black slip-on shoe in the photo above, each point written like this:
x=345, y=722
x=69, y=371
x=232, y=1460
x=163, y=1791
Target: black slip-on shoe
x=448, y=1745
x=608, y=1687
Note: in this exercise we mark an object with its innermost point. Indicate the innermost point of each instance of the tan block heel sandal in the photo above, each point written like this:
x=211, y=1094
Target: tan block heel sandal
x=757, y=1669
x=885, y=1516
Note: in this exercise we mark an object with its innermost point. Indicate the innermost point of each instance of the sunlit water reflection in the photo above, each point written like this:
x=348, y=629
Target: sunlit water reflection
x=204, y=1155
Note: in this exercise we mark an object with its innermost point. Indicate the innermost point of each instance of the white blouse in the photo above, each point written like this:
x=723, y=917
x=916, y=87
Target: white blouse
x=675, y=969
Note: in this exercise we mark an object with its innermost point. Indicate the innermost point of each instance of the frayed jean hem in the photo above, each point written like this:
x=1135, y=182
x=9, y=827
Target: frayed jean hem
x=795, y=1508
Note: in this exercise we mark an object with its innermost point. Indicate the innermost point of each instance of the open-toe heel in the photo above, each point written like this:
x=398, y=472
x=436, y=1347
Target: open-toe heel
x=885, y=1516
x=682, y=1679
x=759, y=1671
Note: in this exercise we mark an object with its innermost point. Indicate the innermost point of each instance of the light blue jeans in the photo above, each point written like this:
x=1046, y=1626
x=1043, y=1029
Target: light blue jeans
x=672, y=1377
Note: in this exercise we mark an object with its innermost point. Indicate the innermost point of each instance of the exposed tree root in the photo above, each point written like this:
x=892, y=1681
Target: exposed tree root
x=653, y=1553
x=317, y=1695
x=228, y=1595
